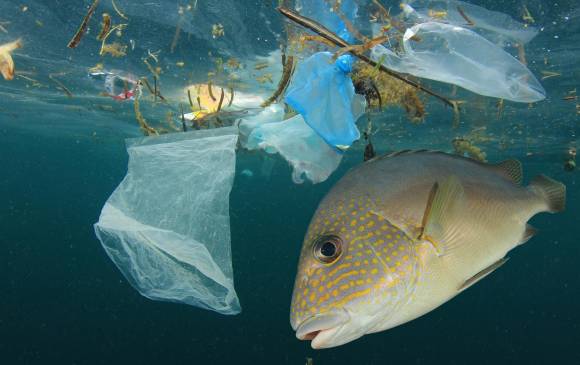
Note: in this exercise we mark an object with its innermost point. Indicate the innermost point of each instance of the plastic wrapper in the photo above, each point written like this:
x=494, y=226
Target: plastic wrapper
x=461, y=57
x=308, y=154
x=166, y=226
x=322, y=92
x=495, y=26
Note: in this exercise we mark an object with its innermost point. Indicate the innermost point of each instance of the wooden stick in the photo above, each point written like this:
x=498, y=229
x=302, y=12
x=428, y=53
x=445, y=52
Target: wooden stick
x=339, y=42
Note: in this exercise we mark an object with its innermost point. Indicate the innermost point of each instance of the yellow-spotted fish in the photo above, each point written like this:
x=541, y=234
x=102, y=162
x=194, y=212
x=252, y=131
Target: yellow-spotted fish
x=402, y=234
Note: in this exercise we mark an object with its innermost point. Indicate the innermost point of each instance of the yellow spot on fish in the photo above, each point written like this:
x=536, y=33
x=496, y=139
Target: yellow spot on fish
x=375, y=271
x=335, y=293
x=312, y=297
x=353, y=223
x=370, y=224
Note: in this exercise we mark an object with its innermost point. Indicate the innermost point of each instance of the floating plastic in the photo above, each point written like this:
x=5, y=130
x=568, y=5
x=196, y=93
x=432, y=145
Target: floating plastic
x=321, y=89
x=495, y=26
x=461, y=57
x=322, y=12
x=118, y=85
x=322, y=92
x=308, y=154
x=167, y=225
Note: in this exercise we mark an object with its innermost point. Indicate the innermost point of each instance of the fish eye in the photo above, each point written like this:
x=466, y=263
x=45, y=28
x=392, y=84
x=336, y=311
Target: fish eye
x=328, y=248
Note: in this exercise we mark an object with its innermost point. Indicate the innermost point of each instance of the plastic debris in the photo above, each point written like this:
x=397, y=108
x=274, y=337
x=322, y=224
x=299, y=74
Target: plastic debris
x=321, y=89
x=167, y=225
x=461, y=57
x=495, y=26
x=308, y=154
x=118, y=85
x=322, y=92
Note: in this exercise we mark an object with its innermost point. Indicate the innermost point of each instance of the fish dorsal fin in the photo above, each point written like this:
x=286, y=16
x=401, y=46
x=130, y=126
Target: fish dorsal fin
x=511, y=169
x=445, y=203
x=404, y=152
x=483, y=273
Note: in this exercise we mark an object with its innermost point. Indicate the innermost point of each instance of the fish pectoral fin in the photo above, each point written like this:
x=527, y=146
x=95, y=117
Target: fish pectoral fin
x=444, y=206
x=483, y=273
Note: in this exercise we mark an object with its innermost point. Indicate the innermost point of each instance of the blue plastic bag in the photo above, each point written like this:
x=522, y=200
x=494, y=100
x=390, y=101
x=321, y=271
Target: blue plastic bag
x=322, y=92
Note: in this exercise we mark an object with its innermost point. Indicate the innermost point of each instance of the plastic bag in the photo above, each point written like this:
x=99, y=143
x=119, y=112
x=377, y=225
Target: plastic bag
x=167, y=225
x=461, y=57
x=495, y=26
x=322, y=12
x=307, y=153
x=322, y=92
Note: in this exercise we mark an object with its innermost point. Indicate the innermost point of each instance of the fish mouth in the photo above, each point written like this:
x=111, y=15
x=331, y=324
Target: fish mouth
x=321, y=328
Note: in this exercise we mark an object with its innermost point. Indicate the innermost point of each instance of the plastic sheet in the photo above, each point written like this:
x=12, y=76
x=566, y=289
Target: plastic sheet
x=322, y=92
x=461, y=57
x=495, y=26
x=166, y=226
x=307, y=153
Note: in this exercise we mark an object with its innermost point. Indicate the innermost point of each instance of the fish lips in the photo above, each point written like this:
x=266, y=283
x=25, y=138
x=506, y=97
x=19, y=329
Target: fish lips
x=321, y=328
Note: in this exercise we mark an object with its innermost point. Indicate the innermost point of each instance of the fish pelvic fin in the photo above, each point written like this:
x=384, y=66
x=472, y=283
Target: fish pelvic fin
x=446, y=200
x=552, y=192
x=483, y=273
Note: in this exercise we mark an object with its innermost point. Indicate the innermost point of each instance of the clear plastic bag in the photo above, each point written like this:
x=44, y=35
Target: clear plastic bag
x=495, y=26
x=306, y=152
x=167, y=225
x=461, y=57
x=323, y=93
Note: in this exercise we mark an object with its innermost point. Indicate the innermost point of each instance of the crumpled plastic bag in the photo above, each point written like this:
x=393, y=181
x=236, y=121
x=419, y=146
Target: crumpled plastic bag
x=495, y=26
x=322, y=92
x=462, y=57
x=308, y=154
x=167, y=225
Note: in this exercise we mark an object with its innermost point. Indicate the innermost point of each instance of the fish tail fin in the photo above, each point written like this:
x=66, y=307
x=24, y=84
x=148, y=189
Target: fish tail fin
x=552, y=192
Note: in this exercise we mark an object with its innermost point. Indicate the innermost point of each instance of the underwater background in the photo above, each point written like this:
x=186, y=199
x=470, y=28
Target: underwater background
x=62, y=300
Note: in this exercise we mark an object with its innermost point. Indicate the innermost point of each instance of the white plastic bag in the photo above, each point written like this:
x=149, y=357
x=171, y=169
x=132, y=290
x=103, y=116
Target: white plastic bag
x=461, y=57
x=495, y=26
x=167, y=227
x=308, y=154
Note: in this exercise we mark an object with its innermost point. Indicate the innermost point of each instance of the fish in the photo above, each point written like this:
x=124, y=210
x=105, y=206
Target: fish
x=401, y=234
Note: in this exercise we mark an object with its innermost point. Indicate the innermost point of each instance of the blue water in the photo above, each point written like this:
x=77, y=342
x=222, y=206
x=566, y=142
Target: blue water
x=64, y=302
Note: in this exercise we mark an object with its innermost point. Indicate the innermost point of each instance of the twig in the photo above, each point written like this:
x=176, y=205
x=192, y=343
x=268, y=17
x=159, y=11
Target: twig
x=287, y=72
x=83, y=28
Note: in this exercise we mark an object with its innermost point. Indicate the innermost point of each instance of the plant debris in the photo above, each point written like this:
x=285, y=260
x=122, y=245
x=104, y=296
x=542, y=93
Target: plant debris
x=6, y=61
x=76, y=39
x=105, y=27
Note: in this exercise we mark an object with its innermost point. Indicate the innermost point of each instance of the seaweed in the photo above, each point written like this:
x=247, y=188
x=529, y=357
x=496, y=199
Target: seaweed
x=105, y=26
x=76, y=39
x=148, y=130
x=464, y=147
x=116, y=8
x=464, y=16
x=60, y=85
x=287, y=72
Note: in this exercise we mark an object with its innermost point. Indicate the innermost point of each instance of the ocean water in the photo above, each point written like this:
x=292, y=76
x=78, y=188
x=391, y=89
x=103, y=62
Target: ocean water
x=62, y=301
